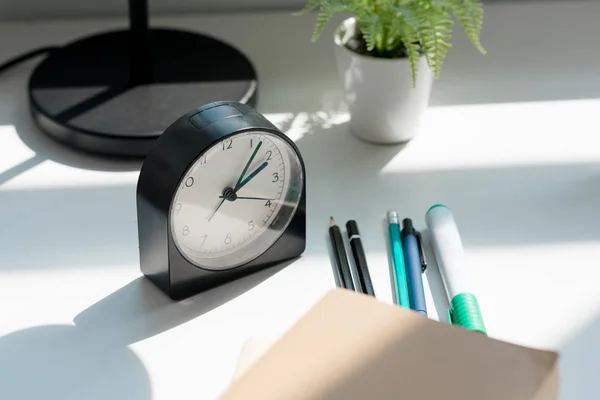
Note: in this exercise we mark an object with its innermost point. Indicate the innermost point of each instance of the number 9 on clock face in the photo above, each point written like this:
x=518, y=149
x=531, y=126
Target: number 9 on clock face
x=235, y=200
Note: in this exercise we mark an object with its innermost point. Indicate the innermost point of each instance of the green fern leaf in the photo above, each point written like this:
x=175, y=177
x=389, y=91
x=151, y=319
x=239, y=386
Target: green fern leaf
x=369, y=25
x=409, y=15
x=470, y=15
x=370, y=35
x=320, y=24
x=328, y=9
x=395, y=35
x=448, y=4
x=435, y=28
x=411, y=43
x=310, y=6
x=420, y=27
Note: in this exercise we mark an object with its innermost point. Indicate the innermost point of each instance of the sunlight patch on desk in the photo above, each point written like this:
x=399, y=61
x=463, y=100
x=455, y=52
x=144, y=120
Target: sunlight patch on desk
x=279, y=119
x=54, y=176
x=543, y=314
x=503, y=135
x=298, y=125
x=64, y=293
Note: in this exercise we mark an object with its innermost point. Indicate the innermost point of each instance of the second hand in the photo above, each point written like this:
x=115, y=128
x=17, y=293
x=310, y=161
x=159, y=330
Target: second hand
x=239, y=186
x=239, y=183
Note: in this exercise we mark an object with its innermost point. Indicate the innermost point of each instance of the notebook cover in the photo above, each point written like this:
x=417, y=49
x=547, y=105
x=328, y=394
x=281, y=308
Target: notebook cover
x=350, y=346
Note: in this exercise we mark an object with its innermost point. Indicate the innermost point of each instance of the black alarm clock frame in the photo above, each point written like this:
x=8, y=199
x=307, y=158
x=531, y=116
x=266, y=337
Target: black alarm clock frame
x=164, y=173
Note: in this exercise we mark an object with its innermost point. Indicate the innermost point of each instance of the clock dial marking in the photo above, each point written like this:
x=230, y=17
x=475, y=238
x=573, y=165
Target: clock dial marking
x=228, y=214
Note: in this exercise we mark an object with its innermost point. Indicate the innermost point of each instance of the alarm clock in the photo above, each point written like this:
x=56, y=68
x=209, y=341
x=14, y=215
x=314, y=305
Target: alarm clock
x=221, y=194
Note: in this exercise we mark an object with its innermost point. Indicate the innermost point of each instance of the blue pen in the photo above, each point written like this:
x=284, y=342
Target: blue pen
x=398, y=270
x=414, y=258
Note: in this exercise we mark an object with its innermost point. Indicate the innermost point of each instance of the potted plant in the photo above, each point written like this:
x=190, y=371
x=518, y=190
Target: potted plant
x=388, y=53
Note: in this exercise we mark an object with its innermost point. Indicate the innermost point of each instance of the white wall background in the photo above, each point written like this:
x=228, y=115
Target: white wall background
x=31, y=9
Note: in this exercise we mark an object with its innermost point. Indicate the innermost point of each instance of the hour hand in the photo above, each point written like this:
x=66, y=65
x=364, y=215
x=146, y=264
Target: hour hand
x=252, y=175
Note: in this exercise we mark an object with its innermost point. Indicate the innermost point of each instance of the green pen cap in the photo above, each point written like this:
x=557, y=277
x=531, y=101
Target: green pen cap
x=465, y=312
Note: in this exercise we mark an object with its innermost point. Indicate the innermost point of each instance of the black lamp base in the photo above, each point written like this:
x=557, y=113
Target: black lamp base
x=91, y=95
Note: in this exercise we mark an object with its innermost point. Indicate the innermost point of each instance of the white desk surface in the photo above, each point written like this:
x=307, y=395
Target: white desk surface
x=511, y=142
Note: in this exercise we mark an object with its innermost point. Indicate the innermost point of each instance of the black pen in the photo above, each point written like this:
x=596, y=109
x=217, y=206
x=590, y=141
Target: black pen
x=340, y=257
x=360, y=260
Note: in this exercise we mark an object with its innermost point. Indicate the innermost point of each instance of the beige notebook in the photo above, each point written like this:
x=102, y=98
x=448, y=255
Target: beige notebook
x=351, y=346
x=252, y=350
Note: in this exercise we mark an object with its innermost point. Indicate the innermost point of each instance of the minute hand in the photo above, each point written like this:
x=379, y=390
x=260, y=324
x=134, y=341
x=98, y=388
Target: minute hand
x=252, y=175
x=237, y=185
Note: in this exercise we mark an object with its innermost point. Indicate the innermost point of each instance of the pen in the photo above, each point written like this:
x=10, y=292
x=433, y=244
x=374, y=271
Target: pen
x=448, y=249
x=398, y=268
x=363, y=280
x=340, y=257
x=414, y=258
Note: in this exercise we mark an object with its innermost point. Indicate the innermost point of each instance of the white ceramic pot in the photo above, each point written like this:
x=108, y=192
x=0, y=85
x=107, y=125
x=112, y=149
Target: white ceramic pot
x=384, y=107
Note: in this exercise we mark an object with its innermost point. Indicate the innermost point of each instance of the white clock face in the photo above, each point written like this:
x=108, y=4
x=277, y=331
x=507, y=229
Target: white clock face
x=235, y=200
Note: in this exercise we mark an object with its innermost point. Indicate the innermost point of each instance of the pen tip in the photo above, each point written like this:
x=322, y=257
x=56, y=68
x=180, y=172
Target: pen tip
x=331, y=221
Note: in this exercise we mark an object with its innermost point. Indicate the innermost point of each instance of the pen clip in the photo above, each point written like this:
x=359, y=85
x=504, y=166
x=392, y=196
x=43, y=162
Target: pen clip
x=421, y=251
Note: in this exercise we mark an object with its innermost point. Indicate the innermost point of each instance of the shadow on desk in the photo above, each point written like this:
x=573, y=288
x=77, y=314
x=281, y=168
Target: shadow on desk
x=139, y=310
x=62, y=362
x=71, y=227
x=46, y=148
x=91, y=360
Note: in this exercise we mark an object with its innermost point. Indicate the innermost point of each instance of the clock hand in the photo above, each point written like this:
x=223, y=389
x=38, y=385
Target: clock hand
x=246, y=198
x=237, y=185
x=251, y=176
x=216, y=209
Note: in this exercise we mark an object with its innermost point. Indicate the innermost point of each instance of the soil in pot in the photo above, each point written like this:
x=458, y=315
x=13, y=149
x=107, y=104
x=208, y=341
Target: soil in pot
x=358, y=44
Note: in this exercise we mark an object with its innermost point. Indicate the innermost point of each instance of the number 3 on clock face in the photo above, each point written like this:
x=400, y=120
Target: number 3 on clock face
x=249, y=191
